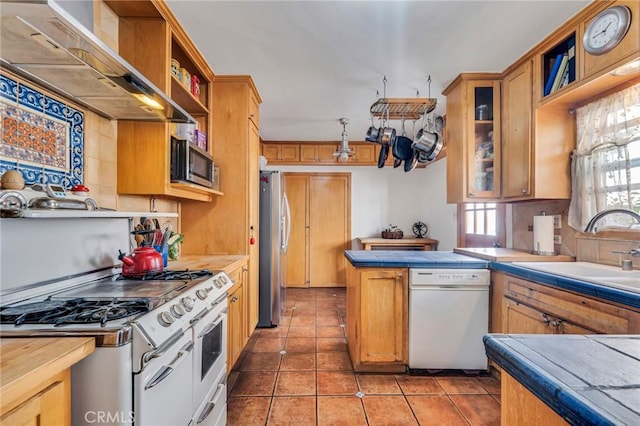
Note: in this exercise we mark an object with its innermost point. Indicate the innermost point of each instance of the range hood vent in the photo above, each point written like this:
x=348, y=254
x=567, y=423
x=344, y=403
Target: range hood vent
x=41, y=42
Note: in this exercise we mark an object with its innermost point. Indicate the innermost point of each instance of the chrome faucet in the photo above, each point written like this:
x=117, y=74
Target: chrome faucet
x=591, y=226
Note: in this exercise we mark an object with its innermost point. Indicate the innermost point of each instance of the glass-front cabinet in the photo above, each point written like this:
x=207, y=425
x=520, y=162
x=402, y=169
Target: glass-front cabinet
x=482, y=166
x=473, y=138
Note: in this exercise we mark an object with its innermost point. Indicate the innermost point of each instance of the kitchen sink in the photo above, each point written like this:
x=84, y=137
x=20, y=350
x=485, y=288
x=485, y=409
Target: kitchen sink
x=610, y=276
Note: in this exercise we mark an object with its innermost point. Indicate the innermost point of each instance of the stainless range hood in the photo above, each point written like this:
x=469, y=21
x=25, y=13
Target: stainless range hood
x=41, y=41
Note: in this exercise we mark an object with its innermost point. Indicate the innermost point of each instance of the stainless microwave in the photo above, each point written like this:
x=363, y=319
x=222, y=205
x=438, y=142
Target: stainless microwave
x=190, y=163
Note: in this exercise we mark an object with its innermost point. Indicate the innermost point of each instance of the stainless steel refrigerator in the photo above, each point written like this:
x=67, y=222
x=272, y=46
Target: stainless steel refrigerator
x=275, y=227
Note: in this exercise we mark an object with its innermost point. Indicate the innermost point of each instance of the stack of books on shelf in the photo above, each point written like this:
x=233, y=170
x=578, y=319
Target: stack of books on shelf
x=562, y=71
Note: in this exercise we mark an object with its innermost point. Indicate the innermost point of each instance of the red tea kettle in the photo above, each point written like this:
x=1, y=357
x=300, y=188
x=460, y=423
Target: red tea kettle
x=143, y=260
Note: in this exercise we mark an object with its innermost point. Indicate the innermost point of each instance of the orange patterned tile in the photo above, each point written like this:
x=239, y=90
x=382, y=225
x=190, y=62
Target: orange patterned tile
x=455, y=385
x=479, y=410
x=380, y=384
x=295, y=383
x=334, y=361
x=298, y=361
x=247, y=411
x=254, y=383
x=298, y=411
x=340, y=410
x=336, y=383
x=388, y=410
x=435, y=410
x=412, y=385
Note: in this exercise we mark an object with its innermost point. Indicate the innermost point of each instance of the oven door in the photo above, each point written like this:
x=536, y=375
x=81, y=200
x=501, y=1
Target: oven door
x=162, y=390
x=210, y=349
x=213, y=410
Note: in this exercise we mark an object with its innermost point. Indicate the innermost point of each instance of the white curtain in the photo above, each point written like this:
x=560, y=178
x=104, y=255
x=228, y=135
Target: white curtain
x=605, y=167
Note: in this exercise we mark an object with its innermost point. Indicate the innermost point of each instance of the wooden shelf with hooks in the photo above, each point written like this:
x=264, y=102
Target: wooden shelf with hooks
x=398, y=108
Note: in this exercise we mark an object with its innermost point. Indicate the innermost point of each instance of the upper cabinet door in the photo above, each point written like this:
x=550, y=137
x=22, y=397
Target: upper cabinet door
x=516, y=138
x=473, y=138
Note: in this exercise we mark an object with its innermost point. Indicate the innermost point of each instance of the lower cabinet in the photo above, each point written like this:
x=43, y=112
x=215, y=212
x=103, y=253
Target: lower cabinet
x=49, y=407
x=377, y=318
x=530, y=307
x=521, y=407
x=236, y=317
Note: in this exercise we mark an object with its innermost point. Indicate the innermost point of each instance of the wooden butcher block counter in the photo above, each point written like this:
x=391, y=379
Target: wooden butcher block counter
x=498, y=254
x=35, y=378
x=227, y=263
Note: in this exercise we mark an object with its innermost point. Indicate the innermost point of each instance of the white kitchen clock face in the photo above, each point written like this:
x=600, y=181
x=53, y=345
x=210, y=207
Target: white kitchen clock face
x=607, y=30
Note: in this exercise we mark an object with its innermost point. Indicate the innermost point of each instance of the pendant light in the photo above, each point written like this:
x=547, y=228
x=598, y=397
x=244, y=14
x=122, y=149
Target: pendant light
x=344, y=152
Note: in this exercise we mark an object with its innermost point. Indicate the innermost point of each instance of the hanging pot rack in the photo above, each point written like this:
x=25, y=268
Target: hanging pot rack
x=402, y=108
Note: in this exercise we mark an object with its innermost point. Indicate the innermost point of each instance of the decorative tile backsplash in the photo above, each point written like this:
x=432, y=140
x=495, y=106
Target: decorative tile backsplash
x=42, y=137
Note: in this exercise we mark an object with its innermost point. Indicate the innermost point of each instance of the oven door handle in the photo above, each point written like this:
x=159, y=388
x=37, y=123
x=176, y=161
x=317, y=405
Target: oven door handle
x=164, y=372
x=163, y=348
x=211, y=404
x=213, y=325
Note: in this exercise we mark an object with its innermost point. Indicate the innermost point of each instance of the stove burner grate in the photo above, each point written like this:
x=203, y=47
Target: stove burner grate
x=168, y=275
x=74, y=311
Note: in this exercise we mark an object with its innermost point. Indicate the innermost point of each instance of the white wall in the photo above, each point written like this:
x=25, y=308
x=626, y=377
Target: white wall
x=380, y=197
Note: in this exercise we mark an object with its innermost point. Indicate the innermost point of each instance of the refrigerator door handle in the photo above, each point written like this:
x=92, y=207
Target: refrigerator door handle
x=287, y=233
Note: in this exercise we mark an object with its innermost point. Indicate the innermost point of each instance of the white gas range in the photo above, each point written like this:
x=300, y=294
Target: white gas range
x=160, y=355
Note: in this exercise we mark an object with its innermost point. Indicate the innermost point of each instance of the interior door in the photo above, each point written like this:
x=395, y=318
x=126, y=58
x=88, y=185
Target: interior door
x=295, y=265
x=320, y=206
x=329, y=230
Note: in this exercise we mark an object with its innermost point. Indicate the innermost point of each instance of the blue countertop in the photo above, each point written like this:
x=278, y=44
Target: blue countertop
x=613, y=294
x=413, y=259
x=587, y=380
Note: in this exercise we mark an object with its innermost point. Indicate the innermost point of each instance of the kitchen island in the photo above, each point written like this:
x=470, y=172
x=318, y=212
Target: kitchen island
x=579, y=379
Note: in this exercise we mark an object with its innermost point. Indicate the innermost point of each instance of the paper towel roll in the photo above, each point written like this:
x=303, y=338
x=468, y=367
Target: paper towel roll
x=543, y=235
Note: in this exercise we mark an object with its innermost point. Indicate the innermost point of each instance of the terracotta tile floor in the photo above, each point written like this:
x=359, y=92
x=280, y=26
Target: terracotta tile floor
x=300, y=374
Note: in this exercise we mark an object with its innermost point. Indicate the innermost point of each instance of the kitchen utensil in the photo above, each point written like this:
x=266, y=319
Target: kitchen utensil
x=382, y=157
x=388, y=136
x=402, y=148
x=396, y=163
x=411, y=163
x=143, y=260
x=163, y=249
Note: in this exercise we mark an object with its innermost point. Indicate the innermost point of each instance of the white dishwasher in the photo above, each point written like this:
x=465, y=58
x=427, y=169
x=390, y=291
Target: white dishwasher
x=448, y=315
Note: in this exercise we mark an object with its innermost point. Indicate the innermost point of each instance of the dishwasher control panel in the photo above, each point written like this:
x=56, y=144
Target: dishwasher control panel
x=426, y=277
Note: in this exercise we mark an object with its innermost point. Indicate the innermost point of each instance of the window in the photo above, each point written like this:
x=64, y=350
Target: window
x=605, y=168
x=481, y=225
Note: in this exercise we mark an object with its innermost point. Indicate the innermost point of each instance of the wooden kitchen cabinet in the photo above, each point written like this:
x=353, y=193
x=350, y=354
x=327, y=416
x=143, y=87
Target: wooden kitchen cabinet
x=281, y=153
x=149, y=38
x=530, y=307
x=318, y=153
x=320, y=205
x=229, y=224
x=36, y=379
x=473, y=138
x=377, y=318
x=236, y=318
x=536, y=143
x=363, y=154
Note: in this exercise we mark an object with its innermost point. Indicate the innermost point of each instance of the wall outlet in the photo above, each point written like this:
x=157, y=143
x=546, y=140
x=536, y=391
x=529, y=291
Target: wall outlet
x=557, y=221
x=557, y=239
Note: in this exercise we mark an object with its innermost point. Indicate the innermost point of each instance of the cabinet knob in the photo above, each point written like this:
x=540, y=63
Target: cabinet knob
x=545, y=319
x=472, y=194
x=244, y=268
x=400, y=275
x=556, y=323
x=523, y=190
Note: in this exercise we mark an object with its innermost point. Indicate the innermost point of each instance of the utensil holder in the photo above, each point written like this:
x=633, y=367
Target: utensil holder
x=164, y=251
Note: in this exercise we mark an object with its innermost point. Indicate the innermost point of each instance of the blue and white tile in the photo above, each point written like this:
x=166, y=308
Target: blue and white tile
x=8, y=89
x=54, y=108
x=30, y=98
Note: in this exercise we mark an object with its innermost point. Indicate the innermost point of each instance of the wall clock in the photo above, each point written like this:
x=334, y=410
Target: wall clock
x=606, y=30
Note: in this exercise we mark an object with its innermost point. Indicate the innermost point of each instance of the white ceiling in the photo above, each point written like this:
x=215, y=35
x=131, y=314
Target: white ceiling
x=316, y=61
